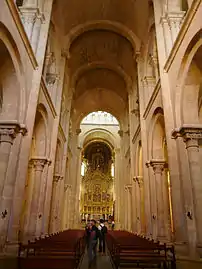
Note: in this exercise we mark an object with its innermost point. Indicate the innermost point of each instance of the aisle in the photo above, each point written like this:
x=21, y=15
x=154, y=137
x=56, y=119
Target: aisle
x=103, y=262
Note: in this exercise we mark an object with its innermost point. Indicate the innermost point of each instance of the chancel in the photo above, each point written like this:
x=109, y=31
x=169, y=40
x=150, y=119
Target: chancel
x=100, y=120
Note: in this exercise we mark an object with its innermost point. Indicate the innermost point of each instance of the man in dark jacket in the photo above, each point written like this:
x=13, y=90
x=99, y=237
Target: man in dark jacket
x=102, y=236
x=92, y=242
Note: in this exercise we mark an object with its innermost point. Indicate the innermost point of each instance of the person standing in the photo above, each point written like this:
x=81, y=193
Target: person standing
x=102, y=236
x=113, y=225
x=92, y=243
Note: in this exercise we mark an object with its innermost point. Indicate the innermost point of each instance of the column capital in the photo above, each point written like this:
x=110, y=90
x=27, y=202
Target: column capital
x=117, y=150
x=52, y=78
x=120, y=132
x=158, y=166
x=38, y=163
x=138, y=180
x=190, y=134
x=128, y=187
x=10, y=129
x=67, y=186
x=149, y=81
x=175, y=17
x=56, y=178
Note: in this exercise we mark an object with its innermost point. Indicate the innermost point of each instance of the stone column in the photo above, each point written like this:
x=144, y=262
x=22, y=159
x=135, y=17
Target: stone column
x=60, y=201
x=128, y=188
x=42, y=206
x=171, y=24
x=8, y=132
x=78, y=180
x=191, y=136
x=117, y=187
x=32, y=18
x=54, y=213
x=158, y=167
x=149, y=83
x=38, y=164
x=139, y=193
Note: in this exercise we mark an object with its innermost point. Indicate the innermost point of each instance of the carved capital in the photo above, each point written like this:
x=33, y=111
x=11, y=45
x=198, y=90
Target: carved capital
x=29, y=14
x=67, y=186
x=128, y=187
x=190, y=134
x=56, y=178
x=38, y=163
x=120, y=132
x=78, y=131
x=51, y=78
x=136, y=112
x=158, y=166
x=175, y=19
x=9, y=130
x=149, y=81
x=138, y=180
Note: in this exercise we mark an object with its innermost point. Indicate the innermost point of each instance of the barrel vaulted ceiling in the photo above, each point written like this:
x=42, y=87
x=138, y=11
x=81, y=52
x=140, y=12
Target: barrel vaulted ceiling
x=102, y=38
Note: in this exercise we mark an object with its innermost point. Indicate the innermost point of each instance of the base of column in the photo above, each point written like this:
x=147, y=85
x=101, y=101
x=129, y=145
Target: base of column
x=10, y=250
x=118, y=226
x=181, y=248
x=187, y=263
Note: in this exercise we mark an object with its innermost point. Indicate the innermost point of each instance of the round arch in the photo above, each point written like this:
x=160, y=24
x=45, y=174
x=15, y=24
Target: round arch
x=101, y=135
x=102, y=65
x=78, y=117
x=40, y=143
x=191, y=51
x=103, y=25
x=11, y=47
x=157, y=135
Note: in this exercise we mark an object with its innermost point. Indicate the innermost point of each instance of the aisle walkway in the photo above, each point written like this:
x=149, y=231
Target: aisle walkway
x=103, y=262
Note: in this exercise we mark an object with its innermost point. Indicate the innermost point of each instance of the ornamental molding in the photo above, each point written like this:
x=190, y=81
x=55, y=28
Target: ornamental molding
x=10, y=129
x=38, y=163
x=128, y=187
x=120, y=132
x=188, y=132
x=158, y=165
x=138, y=180
x=48, y=97
x=21, y=30
x=152, y=98
x=67, y=186
x=182, y=32
x=56, y=178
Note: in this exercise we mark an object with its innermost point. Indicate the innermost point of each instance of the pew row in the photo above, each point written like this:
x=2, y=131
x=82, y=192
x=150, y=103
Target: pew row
x=128, y=250
x=60, y=251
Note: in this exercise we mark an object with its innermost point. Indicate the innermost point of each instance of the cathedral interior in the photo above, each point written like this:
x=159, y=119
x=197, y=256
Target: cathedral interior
x=101, y=117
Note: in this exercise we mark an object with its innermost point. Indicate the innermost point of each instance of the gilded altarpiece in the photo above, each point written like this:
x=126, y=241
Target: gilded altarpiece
x=96, y=194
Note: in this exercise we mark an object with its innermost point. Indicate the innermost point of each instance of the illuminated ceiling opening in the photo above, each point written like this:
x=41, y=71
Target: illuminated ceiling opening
x=100, y=118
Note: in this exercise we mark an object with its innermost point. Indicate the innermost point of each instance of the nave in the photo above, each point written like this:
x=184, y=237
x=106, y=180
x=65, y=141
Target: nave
x=67, y=249
x=101, y=118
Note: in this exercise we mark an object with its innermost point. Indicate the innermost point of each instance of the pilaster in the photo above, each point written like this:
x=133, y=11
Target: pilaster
x=171, y=23
x=161, y=203
x=191, y=135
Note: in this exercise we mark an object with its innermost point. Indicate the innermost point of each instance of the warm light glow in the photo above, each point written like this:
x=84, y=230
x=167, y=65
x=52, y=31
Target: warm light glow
x=83, y=168
x=112, y=170
x=100, y=117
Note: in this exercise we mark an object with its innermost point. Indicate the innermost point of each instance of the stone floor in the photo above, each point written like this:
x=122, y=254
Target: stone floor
x=103, y=262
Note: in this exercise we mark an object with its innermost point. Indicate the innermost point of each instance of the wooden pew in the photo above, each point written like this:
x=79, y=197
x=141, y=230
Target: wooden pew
x=60, y=251
x=130, y=250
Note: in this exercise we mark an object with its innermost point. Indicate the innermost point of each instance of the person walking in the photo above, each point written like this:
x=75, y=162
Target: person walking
x=92, y=243
x=102, y=236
